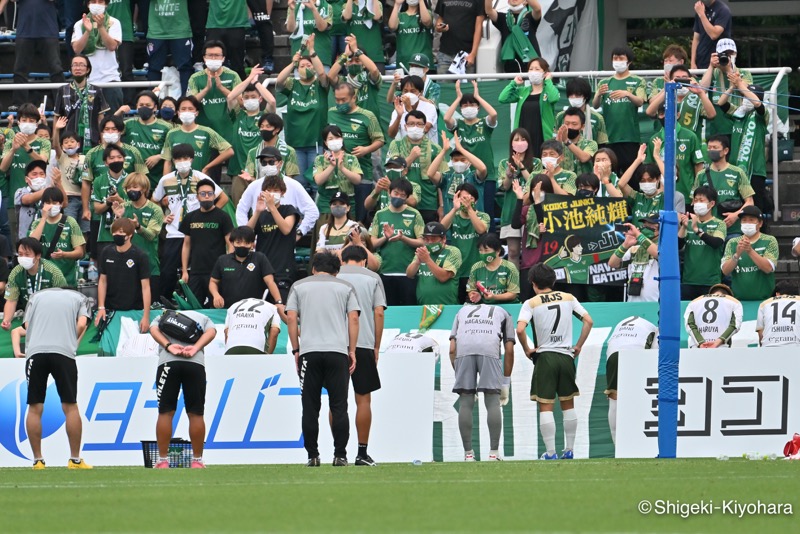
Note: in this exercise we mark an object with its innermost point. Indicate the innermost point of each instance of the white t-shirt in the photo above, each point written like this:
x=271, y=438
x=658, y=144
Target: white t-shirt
x=431, y=117
x=247, y=322
x=710, y=317
x=649, y=272
x=104, y=62
x=633, y=333
x=412, y=342
x=295, y=196
x=180, y=204
x=777, y=319
x=551, y=317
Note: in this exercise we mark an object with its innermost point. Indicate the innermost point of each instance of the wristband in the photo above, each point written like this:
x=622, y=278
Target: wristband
x=620, y=252
x=506, y=380
x=101, y=307
x=167, y=346
x=642, y=239
x=312, y=56
x=295, y=351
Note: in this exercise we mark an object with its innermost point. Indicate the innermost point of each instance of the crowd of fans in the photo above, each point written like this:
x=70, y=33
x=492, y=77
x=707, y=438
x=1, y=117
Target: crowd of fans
x=141, y=196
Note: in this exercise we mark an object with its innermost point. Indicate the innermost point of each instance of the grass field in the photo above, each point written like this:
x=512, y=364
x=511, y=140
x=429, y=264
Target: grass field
x=577, y=496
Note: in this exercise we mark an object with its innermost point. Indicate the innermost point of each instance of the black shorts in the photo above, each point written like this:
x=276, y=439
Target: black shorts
x=365, y=377
x=64, y=371
x=171, y=377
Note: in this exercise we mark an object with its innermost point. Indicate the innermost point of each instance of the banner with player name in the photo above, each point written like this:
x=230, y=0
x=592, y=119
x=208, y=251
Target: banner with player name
x=579, y=237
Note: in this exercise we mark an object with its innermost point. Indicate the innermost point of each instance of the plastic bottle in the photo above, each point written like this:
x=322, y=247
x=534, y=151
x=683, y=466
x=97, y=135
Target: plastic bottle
x=417, y=462
x=722, y=458
x=93, y=275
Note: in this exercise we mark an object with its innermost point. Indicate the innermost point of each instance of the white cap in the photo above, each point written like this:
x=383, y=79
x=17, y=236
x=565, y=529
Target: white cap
x=724, y=45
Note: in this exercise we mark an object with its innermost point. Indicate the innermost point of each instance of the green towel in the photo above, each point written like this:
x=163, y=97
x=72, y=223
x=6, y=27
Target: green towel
x=517, y=45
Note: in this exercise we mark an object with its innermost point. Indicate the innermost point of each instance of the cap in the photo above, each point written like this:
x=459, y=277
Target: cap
x=751, y=211
x=653, y=218
x=757, y=90
x=340, y=196
x=434, y=228
x=399, y=162
x=420, y=60
x=726, y=45
x=722, y=287
x=271, y=152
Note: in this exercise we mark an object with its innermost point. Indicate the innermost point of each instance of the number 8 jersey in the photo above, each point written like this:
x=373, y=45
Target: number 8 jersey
x=712, y=317
x=551, y=317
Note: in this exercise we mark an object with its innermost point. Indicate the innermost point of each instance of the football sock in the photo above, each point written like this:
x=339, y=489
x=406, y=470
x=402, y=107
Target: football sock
x=570, y=428
x=163, y=459
x=76, y=460
x=362, y=450
x=466, y=403
x=547, y=426
x=612, y=419
x=494, y=418
x=196, y=459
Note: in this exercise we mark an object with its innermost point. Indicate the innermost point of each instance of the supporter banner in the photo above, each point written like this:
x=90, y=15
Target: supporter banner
x=579, y=238
x=558, y=34
x=731, y=402
x=252, y=412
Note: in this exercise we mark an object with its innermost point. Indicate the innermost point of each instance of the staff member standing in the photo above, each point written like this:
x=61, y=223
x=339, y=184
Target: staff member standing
x=329, y=310
x=54, y=322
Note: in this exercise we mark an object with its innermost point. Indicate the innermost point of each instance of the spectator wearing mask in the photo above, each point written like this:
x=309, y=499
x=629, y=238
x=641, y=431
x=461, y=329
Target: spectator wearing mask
x=108, y=189
x=650, y=197
x=639, y=252
x=620, y=97
x=579, y=151
x=412, y=22
x=673, y=55
x=354, y=67
x=475, y=135
x=202, y=139
x=338, y=226
x=60, y=236
x=465, y=225
x=435, y=265
x=419, y=65
x=750, y=259
x=492, y=280
x=275, y=224
x=712, y=21
x=420, y=154
x=694, y=105
x=147, y=133
x=228, y=21
x=169, y=33
x=395, y=168
x=311, y=17
x=526, y=217
x=70, y=163
x=464, y=167
x=604, y=161
x=307, y=106
x=243, y=274
x=517, y=29
x=411, y=88
x=461, y=28
x=33, y=273
x=81, y=103
x=27, y=199
x=732, y=185
x=270, y=126
x=723, y=63
x=579, y=94
x=536, y=103
x=364, y=19
x=335, y=172
x=124, y=283
x=396, y=233
x=97, y=35
x=552, y=157
x=148, y=219
x=702, y=238
x=208, y=228
x=177, y=194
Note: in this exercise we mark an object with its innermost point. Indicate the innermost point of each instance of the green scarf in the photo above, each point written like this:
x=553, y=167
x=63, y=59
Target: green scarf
x=532, y=227
x=517, y=45
x=94, y=41
x=745, y=131
x=83, y=123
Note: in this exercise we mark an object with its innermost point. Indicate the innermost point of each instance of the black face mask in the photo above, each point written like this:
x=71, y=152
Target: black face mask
x=267, y=135
x=119, y=240
x=206, y=204
x=584, y=193
x=145, y=113
x=572, y=133
x=167, y=113
x=116, y=166
x=134, y=195
x=241, y=252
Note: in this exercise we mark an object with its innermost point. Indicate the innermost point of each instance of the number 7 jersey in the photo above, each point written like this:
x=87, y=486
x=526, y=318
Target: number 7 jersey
x=550, y=315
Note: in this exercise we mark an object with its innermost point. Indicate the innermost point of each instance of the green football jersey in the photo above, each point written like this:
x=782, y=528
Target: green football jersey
x=748, y=282
x=731, y=183
x=149, y=140
x=69, y=239
x=504, y=279
x=360, y=127
x=215, y=113
x=169, y=19
x=247, y=136
x=201, y=139
x=432, y=291
x=21, y=284
x=572, y=163
x=418, y=170
x=621, y=116
x=20, y=160
x=688, y=154
x=306, y=112
x=397, y=256
x=477, y=138
x=336, y=182
x=151, y=219
x=322, y=39
x=227, y=14
x=701, y=263
x=464, y=237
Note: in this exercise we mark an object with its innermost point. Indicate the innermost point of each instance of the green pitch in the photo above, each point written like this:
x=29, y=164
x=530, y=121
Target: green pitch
x=559, y=496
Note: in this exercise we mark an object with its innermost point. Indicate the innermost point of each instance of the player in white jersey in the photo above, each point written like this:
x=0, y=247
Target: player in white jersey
x=631, y=333
x=478, y=335
x=713, y=319
x=777, y=317
x=251, y=327
x=550, y=314
x=412, y=342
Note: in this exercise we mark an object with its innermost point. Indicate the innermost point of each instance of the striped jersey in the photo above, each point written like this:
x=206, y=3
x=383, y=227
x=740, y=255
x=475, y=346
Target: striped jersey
x=712, y=317
x=550, y=315
x=777, y=321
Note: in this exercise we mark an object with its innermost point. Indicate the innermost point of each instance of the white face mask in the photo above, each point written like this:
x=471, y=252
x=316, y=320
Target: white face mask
x=183, y=167
x=28, y=128
x=416, y=71
x=187, y=117
x=276, y=196
x=577, y=102
x=71, y=151
x=38, y=183
x=412, y=98
x=668, y=67
x=649, y=188
x=683, y=91
x=25, y=262
x=516, y=9
x=619, y=66
x=271, y=170
x=460, y=167
x=745, y=108
x=110, y=138
x=469, y=113
x=54, y=210
x=97, y=9
x=252, y=104
x=749, y=229
x=415, y=133
x=701, y=208
x=412, y=2
x=550, y=162
x=214, y=64
x=335, y=145
x=536, y=77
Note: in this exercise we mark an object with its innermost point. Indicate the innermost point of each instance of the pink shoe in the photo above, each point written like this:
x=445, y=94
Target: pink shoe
x=162, y=464
x=198, y=464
